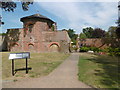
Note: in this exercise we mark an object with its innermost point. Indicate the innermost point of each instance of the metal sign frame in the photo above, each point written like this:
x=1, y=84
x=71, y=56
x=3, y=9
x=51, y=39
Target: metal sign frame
x=24, y=55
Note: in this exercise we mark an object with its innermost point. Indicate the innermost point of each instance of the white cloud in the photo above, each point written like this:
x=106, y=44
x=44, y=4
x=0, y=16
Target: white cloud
x=78, y=15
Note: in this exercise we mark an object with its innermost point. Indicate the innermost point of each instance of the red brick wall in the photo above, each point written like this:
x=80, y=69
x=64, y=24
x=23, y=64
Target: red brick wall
x=37, y=40
x=101, y=43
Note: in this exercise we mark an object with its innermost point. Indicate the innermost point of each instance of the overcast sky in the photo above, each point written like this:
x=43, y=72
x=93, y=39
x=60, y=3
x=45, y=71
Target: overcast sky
x=72, y=14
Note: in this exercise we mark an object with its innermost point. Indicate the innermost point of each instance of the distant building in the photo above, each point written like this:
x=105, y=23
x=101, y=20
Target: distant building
x=39, y=34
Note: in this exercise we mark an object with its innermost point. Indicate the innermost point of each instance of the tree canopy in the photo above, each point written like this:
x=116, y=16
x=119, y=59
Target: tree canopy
x=111, y=32
x=88, y=32
x=10, y=5
x=118, y=32
x=98, y=33
x=72, y=35
x=82, y=36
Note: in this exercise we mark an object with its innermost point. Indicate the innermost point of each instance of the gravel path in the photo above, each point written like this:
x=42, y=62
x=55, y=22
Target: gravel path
x=65, y=76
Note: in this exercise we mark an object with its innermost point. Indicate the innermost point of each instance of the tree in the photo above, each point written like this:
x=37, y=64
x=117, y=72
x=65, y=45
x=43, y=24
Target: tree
x=111, y=32
x=10, y=5
x=118, y=22
x=98, y=33
x=72, y=35
x=82, y=36
x=2, y=33
x=88, y=32
x=1, y=21
x=118, y=32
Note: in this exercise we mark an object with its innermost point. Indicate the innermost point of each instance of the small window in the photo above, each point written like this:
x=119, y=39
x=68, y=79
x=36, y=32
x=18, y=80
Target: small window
x=30, y=26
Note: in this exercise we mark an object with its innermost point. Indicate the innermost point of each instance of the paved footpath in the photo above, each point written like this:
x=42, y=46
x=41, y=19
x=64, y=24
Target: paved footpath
x=65, y=76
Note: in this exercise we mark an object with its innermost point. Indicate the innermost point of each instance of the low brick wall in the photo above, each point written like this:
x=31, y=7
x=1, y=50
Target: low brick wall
x=100, y=43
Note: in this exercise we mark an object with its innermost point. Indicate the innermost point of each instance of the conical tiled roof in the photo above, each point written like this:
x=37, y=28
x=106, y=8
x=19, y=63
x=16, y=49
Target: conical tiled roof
x=38, y=16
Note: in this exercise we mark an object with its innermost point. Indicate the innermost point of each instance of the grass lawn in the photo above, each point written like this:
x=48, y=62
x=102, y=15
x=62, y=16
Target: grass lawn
x=40, y=63
x=99, y=71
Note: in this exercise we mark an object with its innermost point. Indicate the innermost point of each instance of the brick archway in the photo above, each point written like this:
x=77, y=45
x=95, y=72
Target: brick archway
x=54, y=43
x=30, y=44
x=15, y=43
x=31, y=47
x=54, y=47
x=14, y=46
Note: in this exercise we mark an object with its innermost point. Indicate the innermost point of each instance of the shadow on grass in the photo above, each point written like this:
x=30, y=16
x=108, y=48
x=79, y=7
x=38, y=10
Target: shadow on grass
x=22, y=69
x=109, y=70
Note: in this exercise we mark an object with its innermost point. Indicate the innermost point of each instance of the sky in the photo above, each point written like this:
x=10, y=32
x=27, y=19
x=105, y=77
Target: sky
x=72, y=14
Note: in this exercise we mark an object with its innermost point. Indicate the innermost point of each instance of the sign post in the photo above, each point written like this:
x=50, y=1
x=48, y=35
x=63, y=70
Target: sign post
x=26, y=67
x=13, y=67
x=23, y=55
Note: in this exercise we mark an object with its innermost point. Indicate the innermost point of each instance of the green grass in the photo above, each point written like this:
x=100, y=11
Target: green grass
x=40, y=63
x=99, y=71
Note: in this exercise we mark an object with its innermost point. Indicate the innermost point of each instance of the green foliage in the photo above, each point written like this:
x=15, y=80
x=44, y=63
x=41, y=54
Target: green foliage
x=84, y=49
x=72, y=35
x=1, y=23
x=114, y=51
x=53, y=28
x=98, y=33
x=82, y=36
x=25, y=5
x=118, y=32
x=8, y=6
x=88, y=32
x=95, y=49
x=2, y=33
x=111, y=51
x=11, y=5
x=111, y=32
x=118, y=21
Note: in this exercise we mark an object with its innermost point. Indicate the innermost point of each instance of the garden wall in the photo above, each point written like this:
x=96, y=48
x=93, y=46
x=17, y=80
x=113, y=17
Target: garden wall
x=100, y=43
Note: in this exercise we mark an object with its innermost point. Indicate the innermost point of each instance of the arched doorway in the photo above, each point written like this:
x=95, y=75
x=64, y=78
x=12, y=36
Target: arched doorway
x=31, y=47
x=15, y=47
x=54, y=48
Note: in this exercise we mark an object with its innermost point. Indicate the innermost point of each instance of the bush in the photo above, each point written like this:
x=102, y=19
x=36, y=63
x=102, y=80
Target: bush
x=95, y=49
x=84, y=49
x=114, y=51
x=111, y=51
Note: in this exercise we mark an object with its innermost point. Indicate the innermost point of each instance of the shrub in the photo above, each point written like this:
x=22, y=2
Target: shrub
x=111, y=51
x=114, y=51
x=84, y=49
x=95, y=49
